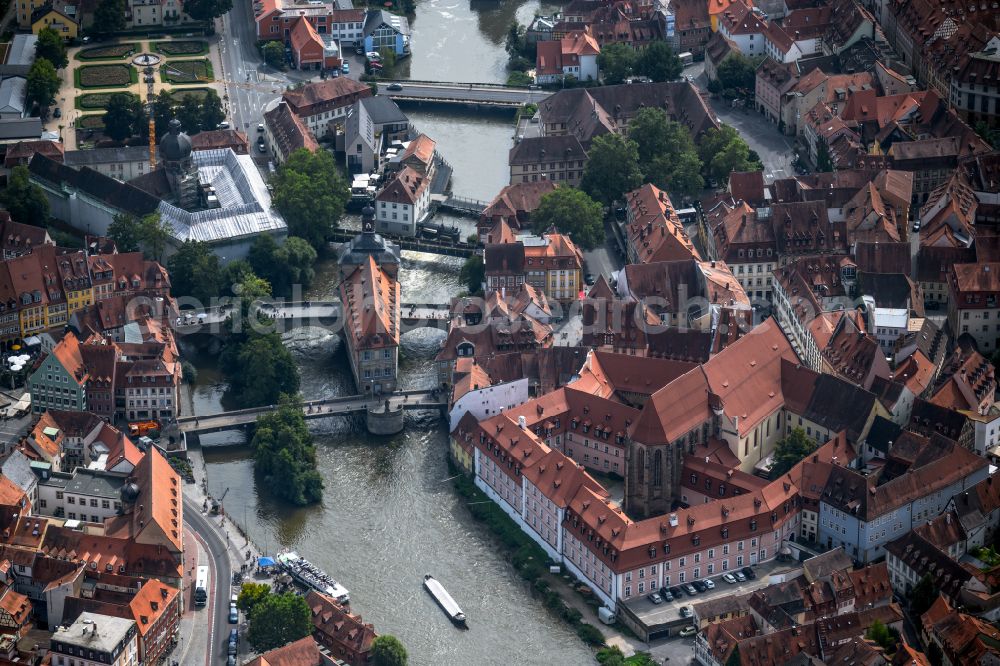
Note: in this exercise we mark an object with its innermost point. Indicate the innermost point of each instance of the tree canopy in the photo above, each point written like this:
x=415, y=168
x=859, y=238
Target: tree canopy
x=278, y=620
x=616, y=62
x=109, y=16
x=612, y=168
x=882, y=635
x=737, y=71
x=658, y=62
x=163, y=112
x=194, y=271
x=667, y=154
x=824, y=161
x=50, y=45
x=790, y=450
x=274, y=54
x=310, y=194
x=284, y=452
x=252, y=594
x=473, y=273
x=259, y=367
x=283, y=266
x=189, y=114
x=518, y=80
x=387, y=650
x=572, y=212
x=24, y=200
x=207, y=10
x=43, y=83
x=211, y=111
x=123, y=116
x=723, y=151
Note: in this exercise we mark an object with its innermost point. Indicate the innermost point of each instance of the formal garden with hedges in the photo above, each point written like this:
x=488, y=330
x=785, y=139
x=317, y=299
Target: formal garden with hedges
x=187, y=71
x=94, y=101
x=110, y=52
x=106, y=76
x=91, y=122
x=178, y=94
x=187, y=47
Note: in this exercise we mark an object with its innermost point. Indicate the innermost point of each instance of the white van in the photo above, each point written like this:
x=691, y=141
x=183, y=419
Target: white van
x=606, y=615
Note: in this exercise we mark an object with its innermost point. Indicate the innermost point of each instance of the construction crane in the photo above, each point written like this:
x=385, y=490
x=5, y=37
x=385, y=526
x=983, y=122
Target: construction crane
x=151, y=115
x=217, y=503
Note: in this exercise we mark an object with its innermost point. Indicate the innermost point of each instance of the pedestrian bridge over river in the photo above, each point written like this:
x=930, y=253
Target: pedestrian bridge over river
x=383, y=415
x=474, y=95
x=322, y=314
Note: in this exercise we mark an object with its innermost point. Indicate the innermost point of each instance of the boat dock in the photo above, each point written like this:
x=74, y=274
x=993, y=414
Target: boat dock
x=444, y=600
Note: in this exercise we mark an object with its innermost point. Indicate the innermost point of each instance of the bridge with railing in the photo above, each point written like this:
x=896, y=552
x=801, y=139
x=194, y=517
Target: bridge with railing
x=284, y=316
x=464, y=94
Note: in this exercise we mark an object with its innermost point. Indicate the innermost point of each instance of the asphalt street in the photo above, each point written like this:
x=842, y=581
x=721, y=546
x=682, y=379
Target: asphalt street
x=221, y=571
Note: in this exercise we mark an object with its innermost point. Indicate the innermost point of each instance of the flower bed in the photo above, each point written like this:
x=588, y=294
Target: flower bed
x=178, y=94
x=94, y=122
x=187, y=71
x=110, y=52
x=187, y=47
x=106, y=76
x=92, y=101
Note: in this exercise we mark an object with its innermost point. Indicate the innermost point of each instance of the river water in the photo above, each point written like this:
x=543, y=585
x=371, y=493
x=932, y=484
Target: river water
x=389, y=513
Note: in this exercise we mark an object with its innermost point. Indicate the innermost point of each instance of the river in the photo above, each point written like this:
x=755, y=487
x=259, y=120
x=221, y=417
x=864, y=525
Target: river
x=389, y=514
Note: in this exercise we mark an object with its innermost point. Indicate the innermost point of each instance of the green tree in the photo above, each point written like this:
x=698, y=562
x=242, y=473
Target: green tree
x=24, y=200
x=388, y=60
x=251, y=594
x=789, y=450
x=514, y=42
x=737, y=71
x=311, y=194
x=519, y=80
x=882, y=635
x=43, y=83
x=109, y=16
x=612, y=168
x=723, y=151
x=211, y=111
x=123, y=116
x=206, y=10
x=283, y=451
x=274, y=54
x=667, y=154
x=260, y=368
x=195, y=272
x=154, y=234
x=387, y=650
x=50, y=45
x=473, y=273
x=283, y=265
x=278, y=620
x=189, y=113
x=824, y=161
x=589, y=634
x=235, y=273
x=659, y=62
x=616, y=63
x=124, y=231
x=572, y=212
x=922, y=596
x=163, y=112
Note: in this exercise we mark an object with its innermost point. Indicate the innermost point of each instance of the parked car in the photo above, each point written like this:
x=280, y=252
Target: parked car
x=57, y=113
x=223, y=125
x=677, y=592
x=655, y=598
x=748, y=572
x=261, y=148
x=729, y=578
x=685, y=611
x=709, y=583
x=740, y=576
x=231, y=661
x=699, y=585
x=234, y=638
x=916, y=226
x=234, y=615
x=395, y=87
x=346, y=68
x=260, y=127
x=689, y=630
x=690, y=590
x=666, y=594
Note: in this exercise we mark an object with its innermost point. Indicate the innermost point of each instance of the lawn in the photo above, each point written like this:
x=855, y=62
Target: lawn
x=187, y=71
x=94, y=121
x=178, y=94
x=110, y=52
x=106, y=76
x=91, y=101
x=186, y=47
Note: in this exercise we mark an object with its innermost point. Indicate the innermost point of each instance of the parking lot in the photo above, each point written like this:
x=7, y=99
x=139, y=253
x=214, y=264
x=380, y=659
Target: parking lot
x=665, y=618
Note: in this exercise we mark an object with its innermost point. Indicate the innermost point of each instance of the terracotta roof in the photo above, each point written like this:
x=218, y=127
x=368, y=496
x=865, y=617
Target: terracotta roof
x=157, y=514
x=517, y=199
x=406, y=187
x=303, y=652
x=16, y=605
x=373, y=303
x=971, y=278
x=288, y=130
x=303, y=34
x=328, y=91
x=655, y=231
x=422, y=148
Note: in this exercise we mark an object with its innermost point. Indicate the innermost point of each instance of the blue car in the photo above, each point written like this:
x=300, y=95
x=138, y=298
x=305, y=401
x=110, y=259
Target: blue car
x=234, y=615
x=346, y=69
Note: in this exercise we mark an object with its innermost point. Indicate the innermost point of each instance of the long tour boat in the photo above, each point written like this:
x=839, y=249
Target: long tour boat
x=444, y=600
x=311, y=576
